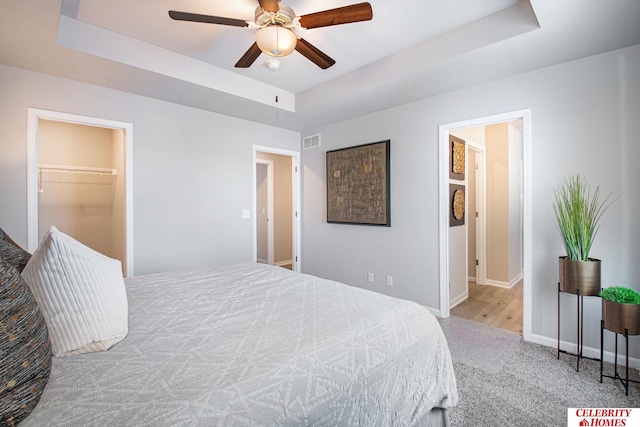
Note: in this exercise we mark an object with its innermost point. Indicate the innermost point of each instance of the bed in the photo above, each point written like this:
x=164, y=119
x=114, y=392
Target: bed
x=252, y=344
x=238, y=344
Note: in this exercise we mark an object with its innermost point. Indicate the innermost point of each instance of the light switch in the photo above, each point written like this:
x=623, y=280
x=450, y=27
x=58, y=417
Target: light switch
x=246, y=213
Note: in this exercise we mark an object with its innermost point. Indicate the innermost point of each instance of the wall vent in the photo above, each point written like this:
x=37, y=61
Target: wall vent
x=312, y=141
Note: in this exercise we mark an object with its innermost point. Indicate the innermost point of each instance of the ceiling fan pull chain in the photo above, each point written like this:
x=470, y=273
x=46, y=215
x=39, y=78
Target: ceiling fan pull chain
x=277, y=81
x=277, y=53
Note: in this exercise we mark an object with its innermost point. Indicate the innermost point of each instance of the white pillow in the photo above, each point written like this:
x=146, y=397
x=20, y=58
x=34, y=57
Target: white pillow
x=80, y=292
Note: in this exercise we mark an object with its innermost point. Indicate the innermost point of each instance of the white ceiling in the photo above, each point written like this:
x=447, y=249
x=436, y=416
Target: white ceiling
x=410, y=50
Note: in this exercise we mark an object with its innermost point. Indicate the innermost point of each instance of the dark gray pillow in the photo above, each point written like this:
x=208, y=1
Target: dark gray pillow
x=12, y=253
x=25, y=350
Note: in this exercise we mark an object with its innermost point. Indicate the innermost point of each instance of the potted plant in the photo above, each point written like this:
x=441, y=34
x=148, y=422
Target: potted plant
x=621, y=309
x=578, y=212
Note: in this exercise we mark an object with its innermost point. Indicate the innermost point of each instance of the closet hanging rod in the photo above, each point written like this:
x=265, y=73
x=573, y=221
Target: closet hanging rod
x=77, y=169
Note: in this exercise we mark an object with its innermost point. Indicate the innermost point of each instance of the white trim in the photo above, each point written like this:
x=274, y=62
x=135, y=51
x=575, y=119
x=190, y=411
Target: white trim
x=270, y=211
x=460, y=298
x=506, y=285
x=33, y=116
x=443, y=131
x=296, y=232
x=586, y=351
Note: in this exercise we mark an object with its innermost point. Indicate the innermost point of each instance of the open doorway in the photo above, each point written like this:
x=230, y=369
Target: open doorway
x=79, y=180
x=276, y=199
x=493, y=294
x=506, y=222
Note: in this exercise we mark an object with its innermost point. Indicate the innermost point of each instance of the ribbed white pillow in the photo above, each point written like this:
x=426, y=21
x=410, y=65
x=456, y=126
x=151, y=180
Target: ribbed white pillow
x=81, y=294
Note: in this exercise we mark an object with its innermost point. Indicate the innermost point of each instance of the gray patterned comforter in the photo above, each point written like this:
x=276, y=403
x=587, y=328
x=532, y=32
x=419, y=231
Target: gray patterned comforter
x=249, y=344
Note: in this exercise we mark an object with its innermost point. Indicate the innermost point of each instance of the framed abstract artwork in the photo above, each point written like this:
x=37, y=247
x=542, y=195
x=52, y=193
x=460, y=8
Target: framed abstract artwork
x=456, y=204
x=457, y=158
x=358, y=185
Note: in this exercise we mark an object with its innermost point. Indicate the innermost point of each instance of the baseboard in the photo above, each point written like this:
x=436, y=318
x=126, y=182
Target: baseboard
x=471, y=279
x=262, y=261
x=586, y=351
x=281, y=263
x=498, y=284
x=506, y=285
x=458, y=299
x=515, y=280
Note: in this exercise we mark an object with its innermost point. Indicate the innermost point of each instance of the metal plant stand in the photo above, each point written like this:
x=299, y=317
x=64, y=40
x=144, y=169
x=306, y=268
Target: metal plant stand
x=579, y=331
x=625, y=381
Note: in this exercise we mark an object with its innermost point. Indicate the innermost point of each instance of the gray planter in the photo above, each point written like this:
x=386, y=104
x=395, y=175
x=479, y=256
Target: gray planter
x=583, y=275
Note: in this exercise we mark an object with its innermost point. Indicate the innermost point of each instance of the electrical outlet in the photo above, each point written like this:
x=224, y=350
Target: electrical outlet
x=389, y=281
x=370, y=277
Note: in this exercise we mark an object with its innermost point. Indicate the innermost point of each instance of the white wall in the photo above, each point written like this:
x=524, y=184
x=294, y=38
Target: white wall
x=584, y=120
x=192, y=169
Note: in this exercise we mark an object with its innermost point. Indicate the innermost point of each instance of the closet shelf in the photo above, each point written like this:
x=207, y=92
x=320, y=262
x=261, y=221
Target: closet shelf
x=76, y=185
x=77, y=169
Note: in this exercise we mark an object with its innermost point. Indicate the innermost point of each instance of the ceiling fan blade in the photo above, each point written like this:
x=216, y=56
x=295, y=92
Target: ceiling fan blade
x=269, y=5
x=314, y=54
x=249, y=57
x=342, y=15
x=207, y=19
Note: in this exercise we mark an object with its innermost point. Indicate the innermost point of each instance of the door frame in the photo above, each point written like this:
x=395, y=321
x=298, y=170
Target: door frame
x=295, y=214
x=481, y=208
x=33, y=117
x=443, y=131
x=270, y=218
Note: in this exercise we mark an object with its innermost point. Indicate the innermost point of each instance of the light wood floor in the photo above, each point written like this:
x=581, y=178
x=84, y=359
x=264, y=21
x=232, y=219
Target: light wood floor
x=493, y=306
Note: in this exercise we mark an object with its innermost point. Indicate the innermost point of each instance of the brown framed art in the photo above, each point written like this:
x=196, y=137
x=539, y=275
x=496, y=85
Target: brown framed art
x=358, y=185
x=456, y=205
x=457, y=158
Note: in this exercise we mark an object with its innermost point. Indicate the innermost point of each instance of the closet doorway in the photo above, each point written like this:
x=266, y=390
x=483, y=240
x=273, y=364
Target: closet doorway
x=79, y=182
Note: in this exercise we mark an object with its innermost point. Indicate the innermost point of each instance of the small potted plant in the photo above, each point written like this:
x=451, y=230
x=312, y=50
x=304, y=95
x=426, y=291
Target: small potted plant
x=621, y=310
x=578, y=213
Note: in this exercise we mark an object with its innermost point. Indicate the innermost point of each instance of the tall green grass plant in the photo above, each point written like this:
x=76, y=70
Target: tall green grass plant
x=578, y=214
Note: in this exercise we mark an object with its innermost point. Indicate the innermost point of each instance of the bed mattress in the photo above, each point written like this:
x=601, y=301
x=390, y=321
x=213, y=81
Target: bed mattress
x=250, y=344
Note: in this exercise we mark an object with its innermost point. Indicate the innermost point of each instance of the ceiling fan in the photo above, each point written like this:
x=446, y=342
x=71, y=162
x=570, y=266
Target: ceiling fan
x=275, y=24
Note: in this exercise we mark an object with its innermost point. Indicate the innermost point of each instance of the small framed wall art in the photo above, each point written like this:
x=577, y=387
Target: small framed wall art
x=358, y=185
x=456, y=205
x=457, y=157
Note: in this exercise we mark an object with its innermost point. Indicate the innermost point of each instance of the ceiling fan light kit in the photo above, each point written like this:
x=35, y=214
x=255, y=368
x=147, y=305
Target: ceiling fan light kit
x=276, y=41
x=275, y=23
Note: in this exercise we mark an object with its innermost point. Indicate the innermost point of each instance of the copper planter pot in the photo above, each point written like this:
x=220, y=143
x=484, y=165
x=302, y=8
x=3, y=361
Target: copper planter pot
x=619, y=316
x=583, y=275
